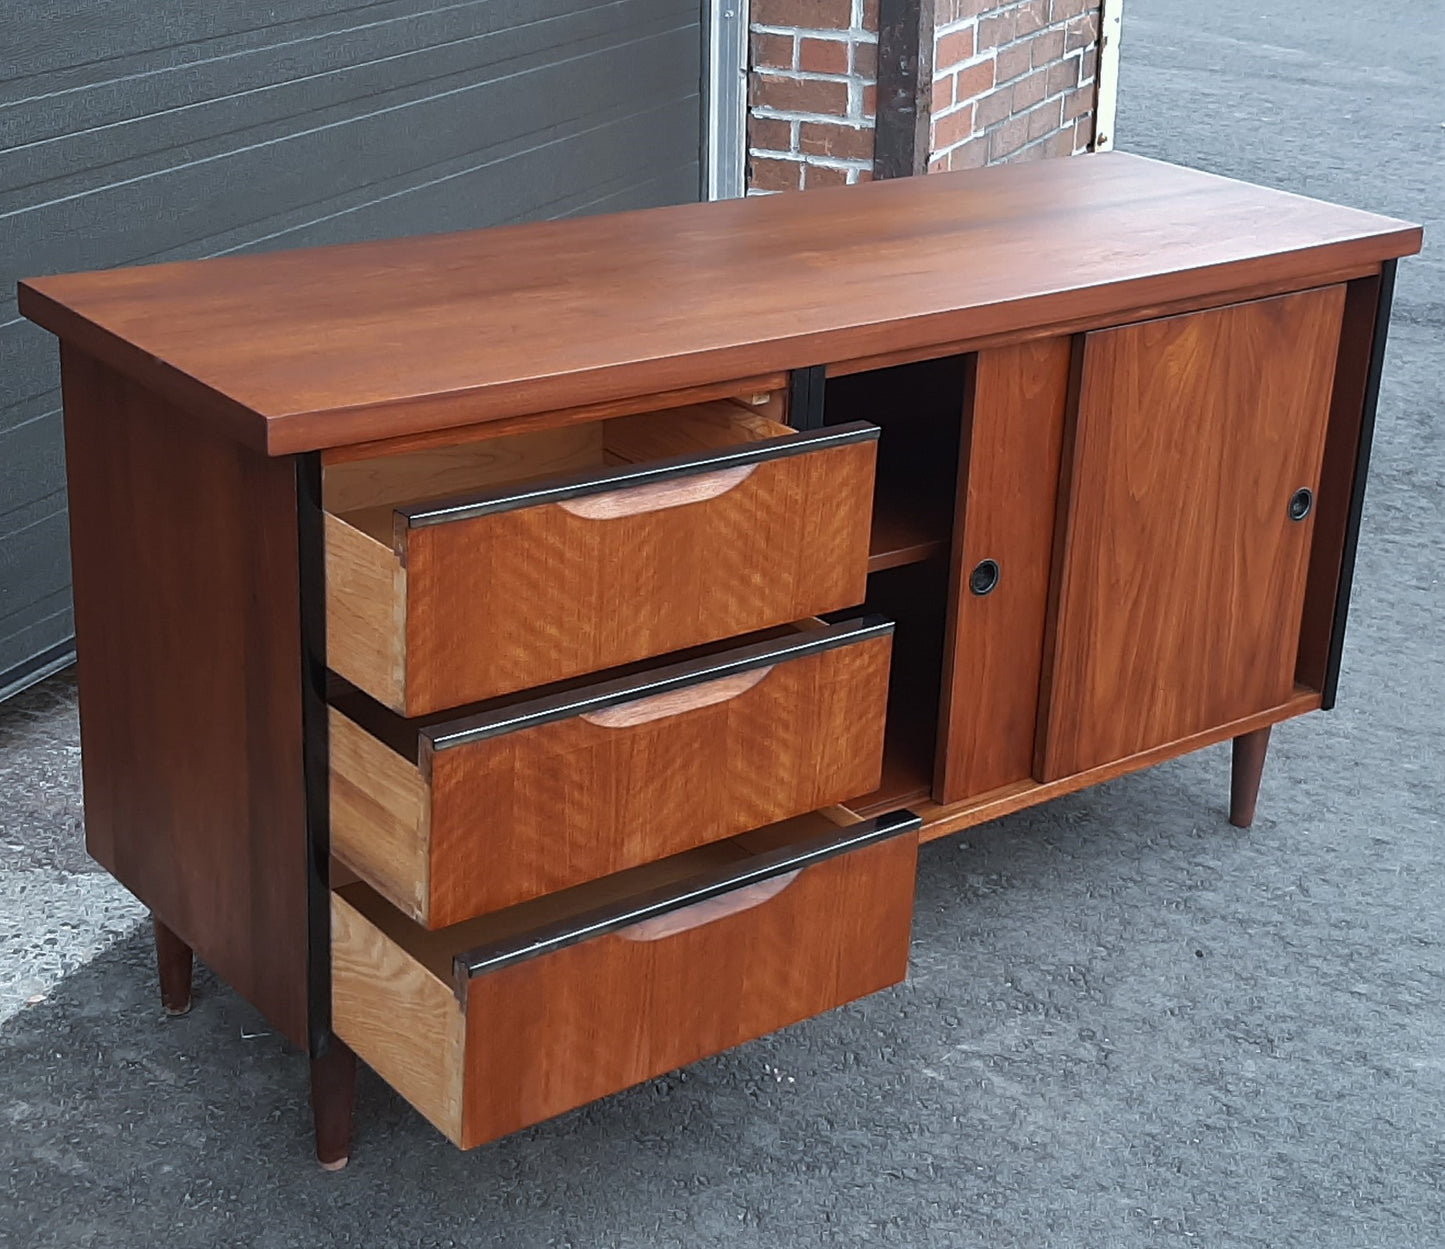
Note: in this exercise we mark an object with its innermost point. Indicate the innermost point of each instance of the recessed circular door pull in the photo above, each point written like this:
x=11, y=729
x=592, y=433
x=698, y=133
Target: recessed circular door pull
x=983, y=578
x=1301, y=503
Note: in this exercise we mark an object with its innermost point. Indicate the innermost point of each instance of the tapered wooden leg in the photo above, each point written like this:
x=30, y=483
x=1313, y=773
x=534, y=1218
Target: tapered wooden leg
x=1248, y=768
x=173, y=961
x=333, y=1089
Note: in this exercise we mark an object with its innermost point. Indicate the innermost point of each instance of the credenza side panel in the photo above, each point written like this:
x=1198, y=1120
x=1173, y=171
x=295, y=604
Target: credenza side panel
x=187, y=622
x=1337, y=476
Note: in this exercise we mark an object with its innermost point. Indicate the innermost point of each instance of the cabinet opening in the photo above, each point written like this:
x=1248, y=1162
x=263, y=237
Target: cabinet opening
x=914, y=596
x=919, y=408
x=365, y=492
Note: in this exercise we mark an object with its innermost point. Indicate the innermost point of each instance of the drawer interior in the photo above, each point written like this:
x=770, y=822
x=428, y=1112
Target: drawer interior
x=365, y=492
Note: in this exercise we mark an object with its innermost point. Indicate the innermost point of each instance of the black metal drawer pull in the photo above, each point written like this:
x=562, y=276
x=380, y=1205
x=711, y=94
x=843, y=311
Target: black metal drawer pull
x=660, y=901
x=1301, y=503
x=624, y=477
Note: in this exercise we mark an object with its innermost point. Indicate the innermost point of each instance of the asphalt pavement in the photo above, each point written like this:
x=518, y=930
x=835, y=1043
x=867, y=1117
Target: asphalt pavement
x=1126, y=1023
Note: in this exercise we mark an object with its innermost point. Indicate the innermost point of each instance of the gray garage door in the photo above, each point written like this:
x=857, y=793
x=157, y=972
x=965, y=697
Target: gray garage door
x=144, y=130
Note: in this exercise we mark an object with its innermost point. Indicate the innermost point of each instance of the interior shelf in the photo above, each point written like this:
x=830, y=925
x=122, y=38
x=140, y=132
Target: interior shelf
x=919, y=408
x=906, y=532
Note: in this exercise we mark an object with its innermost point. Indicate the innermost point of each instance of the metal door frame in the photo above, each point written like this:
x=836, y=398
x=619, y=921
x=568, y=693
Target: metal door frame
x=725, y=98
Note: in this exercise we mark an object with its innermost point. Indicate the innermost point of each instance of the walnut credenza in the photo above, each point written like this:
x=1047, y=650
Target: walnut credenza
x=528, y=659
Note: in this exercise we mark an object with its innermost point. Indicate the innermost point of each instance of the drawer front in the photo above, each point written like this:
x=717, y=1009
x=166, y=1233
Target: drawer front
x=539, y=796
x=504, y=1022
x=502, y=592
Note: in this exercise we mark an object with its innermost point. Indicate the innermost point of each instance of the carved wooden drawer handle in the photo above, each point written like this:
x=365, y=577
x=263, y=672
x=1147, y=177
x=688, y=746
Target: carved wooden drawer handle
x=634, y=500
x=675, y=702
x=700, y=913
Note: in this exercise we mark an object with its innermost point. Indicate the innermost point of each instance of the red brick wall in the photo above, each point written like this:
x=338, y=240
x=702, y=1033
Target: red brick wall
x=812, y=93
x=1012, y=80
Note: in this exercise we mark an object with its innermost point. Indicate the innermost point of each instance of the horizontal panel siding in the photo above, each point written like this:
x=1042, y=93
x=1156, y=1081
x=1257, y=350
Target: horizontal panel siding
x=170, y=130
x=32, y=462
x=28, y=570
x=44, y=624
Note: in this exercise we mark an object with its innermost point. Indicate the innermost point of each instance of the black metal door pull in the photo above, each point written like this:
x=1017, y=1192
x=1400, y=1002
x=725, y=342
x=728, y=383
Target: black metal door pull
x=984, y=578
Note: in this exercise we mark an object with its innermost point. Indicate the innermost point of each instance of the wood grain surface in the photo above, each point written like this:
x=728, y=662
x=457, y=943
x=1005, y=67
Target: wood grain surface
x=303, y=350
x=485, y=825
x=555, y=1032
x=708, y=912
x=993, y=656
x=484, y=1057
x=380, y=815
x=1283, y=283
x=434, y=472
x=365, y=611
x=658, y=496
x=401, y=1019
x=1180, y=576
x=677, y=702
x=507, y=601
x=736, y=534
x=184, y=547
x=905, y=535
x=366, y=492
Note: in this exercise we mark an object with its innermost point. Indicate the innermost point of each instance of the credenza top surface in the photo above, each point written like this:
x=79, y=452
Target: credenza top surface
x=300, y=350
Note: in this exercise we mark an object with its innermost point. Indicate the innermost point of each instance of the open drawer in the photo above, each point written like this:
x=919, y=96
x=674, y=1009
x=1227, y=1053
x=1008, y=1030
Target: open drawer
x=502, y=1022
x=452, y=818
x=572, y=550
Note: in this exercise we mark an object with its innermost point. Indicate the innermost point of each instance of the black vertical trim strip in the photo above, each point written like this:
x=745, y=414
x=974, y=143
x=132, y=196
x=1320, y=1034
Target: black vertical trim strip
x=800, y=389
x=905, y=88
x=1357, y=491
x=315, y=747
x=805, y=397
